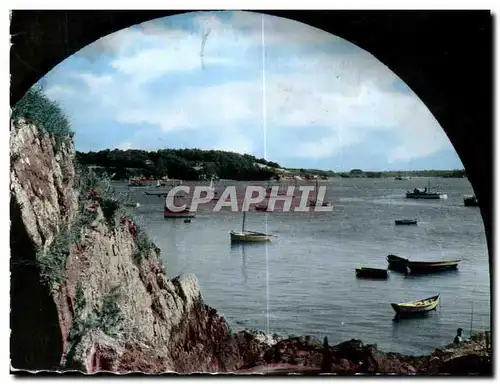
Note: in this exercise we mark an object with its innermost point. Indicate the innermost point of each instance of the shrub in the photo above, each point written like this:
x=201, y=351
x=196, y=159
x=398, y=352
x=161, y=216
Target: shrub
x=36, y=108
x=142, y=247
x=52, y=260
x=88, y=181
x=108, y=318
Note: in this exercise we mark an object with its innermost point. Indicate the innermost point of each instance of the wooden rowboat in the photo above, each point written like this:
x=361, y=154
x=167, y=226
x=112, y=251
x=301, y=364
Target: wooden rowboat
x=416, y=307
x=405, y=222
x=249, y=236
x=372, y=273
x=420, y=267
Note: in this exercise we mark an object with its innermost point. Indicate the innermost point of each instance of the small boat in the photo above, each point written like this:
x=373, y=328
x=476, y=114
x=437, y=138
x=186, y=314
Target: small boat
x=420, y=267
x=424, y=193
x=248, y=236
x=405, y=222
x=187, y=220
x=212, y=188
x=159, y=194
x=416, y=307
x=261, y=207
x=139, y=182
x=160, y=183
x=132, y=204
x=471, y=201
x=373, y=273
x=402, y=178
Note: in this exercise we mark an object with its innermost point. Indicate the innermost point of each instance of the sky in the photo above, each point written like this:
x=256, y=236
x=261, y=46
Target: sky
x=248, y=83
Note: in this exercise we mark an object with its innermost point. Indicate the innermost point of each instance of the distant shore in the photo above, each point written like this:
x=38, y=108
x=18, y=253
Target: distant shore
x=197, y=164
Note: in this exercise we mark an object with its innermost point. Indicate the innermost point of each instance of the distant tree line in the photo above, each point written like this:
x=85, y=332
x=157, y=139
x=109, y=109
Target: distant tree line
x=457, y=173
x=185, y=164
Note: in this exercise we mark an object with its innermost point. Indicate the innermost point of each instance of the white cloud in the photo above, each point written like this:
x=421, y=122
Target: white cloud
x=59, y=91
x=337, y=99
x=125, y=145
x=235, y=142
x=278, y=30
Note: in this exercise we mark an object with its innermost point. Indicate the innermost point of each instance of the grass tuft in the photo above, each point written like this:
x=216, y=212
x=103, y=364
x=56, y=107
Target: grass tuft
x=36, y=108
x=108, y=318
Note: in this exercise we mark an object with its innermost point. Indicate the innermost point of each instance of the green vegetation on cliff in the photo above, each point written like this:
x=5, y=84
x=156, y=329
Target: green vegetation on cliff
x=36, y=108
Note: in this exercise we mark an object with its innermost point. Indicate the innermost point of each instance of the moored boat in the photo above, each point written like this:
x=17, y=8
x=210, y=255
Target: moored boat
x=212, y=188
x=471, y=201
x=261, y=207
x=405, y=222
x=140, y=182
x=420, y=267
x=417, y=306
x=425, y=193
x=372, y=273
x=132, y=204
x=246, y=236
x=249, y=236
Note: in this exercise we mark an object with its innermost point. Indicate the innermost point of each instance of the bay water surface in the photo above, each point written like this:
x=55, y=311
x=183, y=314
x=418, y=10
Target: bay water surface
x=304, y=283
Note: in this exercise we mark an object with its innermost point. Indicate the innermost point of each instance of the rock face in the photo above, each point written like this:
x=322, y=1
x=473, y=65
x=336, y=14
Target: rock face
x=108, y=312
x=42, y=202
x=89, y=295
x=300, y=355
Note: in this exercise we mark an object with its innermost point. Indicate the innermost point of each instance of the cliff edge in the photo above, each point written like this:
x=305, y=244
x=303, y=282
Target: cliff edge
x=88, y=289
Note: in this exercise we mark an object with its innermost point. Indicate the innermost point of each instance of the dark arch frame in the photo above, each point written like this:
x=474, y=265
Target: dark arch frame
x=444, y=56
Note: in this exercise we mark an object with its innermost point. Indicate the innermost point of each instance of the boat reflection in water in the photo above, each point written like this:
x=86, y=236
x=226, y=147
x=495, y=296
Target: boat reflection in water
x=241, y=248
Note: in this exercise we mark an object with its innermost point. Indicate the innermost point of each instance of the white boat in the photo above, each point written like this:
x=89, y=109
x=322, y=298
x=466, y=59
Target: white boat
x=248, y=236
x=416, y=307
x=212, y=188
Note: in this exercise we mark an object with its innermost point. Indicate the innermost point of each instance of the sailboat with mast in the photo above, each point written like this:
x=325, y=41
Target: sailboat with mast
x=248, y=236
x=212, y=188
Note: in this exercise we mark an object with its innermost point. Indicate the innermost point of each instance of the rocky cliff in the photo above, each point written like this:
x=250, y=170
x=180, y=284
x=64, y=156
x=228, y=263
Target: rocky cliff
x=88, y=289
x=89, y=292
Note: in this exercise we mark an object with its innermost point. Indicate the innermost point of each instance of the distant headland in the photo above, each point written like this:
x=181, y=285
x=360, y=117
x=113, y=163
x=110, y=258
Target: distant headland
x=198, y=164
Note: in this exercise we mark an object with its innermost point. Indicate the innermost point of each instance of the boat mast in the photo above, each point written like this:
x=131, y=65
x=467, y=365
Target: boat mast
x=243, y=225
x=471, y=315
